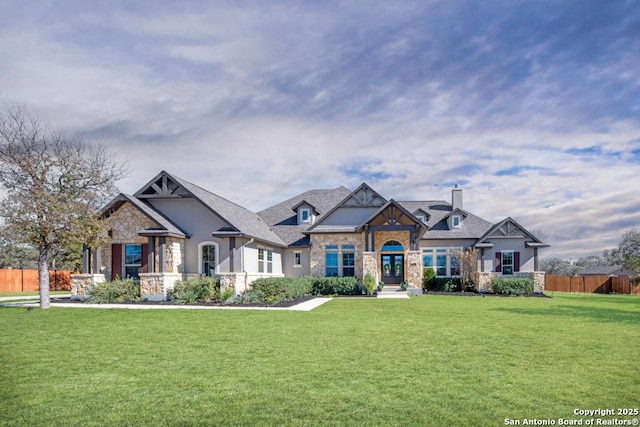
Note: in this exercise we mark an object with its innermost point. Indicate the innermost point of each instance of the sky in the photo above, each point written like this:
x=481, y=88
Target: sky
x=532, y=107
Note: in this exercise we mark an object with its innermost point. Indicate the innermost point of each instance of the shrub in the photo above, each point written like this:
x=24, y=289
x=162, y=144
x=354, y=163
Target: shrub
x=512, y=285
x=427, y=278
x=369, y=284
x=250, y=296
x=336, y=286
x=190, y=291
x=275, y=289
x=226, y=294
x=445, y=284
x=116, y=291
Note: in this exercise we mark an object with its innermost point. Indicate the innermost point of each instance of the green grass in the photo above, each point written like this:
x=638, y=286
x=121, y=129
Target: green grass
x=435, y=360
x=28, y=294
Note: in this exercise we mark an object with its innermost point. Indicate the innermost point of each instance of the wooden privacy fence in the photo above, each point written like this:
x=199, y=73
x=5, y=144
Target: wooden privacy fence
x=591, y=284
x=16, y=280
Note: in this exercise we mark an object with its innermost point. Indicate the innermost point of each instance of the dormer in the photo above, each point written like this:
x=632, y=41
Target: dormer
x=306, y=213
x=455, y=219
x=422, y=215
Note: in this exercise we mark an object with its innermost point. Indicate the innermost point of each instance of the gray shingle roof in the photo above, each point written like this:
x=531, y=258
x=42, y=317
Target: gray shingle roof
x=283, y=219
x=608, y=270
x=473, y=227
x=245, y=221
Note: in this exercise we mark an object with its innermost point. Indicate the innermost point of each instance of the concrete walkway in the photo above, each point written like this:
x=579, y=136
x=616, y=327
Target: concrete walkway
x=392, y=292
x=303, y=306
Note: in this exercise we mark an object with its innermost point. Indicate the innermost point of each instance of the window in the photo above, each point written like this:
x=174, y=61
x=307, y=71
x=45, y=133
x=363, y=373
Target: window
x=208, y=258
x=331, y=260
x=348, y=260
x=392, y=245
x=132, y=261
x=265, y=260
x=456, y=221
x=297, y=259
x=305, y=215
x=421, y=218
x=427, y=261
x=455, y=266
x=441, y=260
x=507, y=262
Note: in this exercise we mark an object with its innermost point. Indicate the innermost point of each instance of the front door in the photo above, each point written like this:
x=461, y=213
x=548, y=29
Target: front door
x=392, y=269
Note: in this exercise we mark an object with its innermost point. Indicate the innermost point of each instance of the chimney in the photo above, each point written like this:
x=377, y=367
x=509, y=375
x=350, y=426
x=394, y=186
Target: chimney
x=456, y=198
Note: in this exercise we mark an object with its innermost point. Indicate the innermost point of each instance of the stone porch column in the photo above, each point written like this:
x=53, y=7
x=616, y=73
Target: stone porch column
x=370, y=265
x=414, y=269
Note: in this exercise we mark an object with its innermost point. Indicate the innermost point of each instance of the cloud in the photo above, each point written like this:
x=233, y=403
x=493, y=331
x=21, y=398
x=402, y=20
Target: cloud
x=533, y=107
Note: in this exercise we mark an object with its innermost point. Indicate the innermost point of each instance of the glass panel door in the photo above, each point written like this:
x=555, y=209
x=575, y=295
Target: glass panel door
x=392, y=269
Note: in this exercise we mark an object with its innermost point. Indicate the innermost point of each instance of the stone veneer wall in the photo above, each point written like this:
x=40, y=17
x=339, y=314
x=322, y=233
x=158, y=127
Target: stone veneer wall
x=81, y=284
x=125, y=224
x=370, y=265
x=174, y=255
x=382, y=237
x=157, y=286
x=318, y=243
x=482, y=280
x=413, y=272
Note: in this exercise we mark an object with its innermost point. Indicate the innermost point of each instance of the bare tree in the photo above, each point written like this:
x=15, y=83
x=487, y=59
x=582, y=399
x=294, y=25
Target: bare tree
x=468, y=262
x=54, y=187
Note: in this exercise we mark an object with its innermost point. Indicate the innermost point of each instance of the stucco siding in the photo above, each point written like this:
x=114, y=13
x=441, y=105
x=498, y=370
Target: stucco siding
x=199, y=222
x=251, y=259
x=526, y=254
x=288, y=262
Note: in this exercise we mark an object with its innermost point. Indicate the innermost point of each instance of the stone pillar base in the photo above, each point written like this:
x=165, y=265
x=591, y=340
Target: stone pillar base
x=157, y=286
x=235, y=281
x=538, y=282
x=482, y=281
x=81, y=285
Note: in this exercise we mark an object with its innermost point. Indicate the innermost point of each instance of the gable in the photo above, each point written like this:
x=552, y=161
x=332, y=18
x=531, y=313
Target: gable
x=364, y=196
x=359, y=205
x=162, y=186
x=392, y=213
x=508, y=228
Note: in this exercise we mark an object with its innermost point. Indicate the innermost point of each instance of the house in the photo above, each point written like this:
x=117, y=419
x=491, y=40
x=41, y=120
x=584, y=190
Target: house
x=609, y=270
x=171, y=229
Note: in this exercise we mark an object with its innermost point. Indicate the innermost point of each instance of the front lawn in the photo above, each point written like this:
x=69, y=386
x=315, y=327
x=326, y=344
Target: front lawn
x=435, y=360
x=31, y=293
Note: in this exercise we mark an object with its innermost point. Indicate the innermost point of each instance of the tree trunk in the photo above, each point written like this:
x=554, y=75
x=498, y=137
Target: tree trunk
x=43, y=277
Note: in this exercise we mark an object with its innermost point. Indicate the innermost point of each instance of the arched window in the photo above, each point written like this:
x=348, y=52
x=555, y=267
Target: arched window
x=393, y=245
x=208, y=256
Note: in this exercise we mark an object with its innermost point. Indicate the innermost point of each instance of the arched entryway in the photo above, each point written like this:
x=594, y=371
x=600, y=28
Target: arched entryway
x=392, y=263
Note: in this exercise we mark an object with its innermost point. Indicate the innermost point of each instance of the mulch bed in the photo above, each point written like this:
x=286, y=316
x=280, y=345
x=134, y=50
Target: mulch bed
x=483, y=294
x=290, y=303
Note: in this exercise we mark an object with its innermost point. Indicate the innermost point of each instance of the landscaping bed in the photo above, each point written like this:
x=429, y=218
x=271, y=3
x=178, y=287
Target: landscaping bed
x=210, y=303
x=484, y=294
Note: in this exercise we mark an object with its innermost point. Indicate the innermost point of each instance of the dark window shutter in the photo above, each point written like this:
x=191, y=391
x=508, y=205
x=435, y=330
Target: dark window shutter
x=516, y=261
x=498, y=262
x=116, y=261
x=145, y=258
